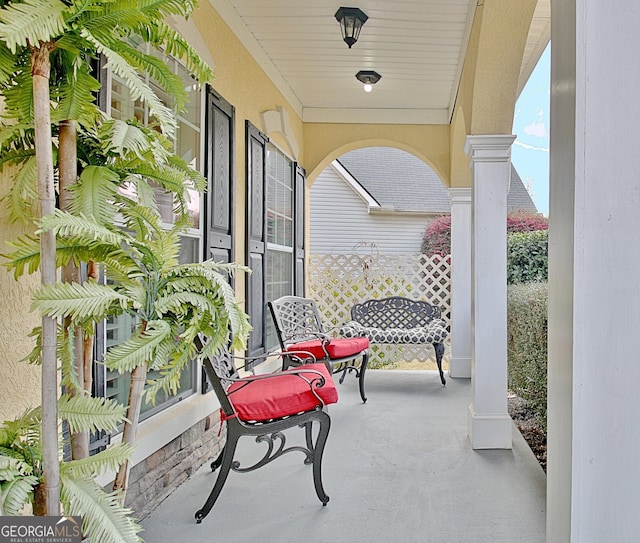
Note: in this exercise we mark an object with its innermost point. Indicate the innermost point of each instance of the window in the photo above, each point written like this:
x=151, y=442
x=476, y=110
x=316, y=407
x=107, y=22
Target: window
x=187, y=144
x=279, y=210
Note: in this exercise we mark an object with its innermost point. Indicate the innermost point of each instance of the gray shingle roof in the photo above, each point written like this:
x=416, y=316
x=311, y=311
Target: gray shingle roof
x=399, y=179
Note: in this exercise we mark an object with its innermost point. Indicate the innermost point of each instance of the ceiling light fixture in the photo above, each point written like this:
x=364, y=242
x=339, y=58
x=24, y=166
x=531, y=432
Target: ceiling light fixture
x=351, y=21
x=368, y=78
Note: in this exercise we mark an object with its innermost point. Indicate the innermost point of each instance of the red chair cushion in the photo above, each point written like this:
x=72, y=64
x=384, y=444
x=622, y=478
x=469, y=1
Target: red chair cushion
x=281, y=395
x=337, y=347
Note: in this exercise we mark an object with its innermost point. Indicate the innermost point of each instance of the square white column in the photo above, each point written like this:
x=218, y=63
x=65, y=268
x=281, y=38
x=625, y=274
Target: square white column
x=460, y=361
x=490, y=426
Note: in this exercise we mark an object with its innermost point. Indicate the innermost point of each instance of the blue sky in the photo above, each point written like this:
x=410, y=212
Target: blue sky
x=530, y=151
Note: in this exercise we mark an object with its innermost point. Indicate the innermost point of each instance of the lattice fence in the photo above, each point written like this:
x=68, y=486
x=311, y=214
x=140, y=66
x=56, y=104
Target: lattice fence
x=337, y=282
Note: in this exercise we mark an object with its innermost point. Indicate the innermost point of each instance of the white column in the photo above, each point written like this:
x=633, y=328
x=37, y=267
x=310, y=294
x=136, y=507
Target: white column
x=593, y=476
x=490, y=426
x=460, y=362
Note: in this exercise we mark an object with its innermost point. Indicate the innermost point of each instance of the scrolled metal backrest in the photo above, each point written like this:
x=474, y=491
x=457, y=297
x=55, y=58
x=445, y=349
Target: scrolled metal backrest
x=219, y=368
x=296, y=319
x=394, y=312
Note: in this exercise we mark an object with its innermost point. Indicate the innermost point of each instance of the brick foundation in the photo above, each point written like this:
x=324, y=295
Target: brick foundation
x=154, y=479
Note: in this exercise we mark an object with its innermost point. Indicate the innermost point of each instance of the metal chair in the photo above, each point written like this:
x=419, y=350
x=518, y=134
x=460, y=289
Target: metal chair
x=265, y=405
x=299, y=328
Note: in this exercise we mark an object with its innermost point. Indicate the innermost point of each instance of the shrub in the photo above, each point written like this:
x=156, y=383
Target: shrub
x=525, y=221
x=527, y=345
x=527, y=256
x=437, y=235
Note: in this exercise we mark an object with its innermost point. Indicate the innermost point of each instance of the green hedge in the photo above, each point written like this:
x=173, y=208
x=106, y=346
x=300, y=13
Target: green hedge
x=527, y=344
x=527, y=256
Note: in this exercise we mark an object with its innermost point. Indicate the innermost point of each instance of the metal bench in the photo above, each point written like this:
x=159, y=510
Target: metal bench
x=265, y=405
x=398, y=320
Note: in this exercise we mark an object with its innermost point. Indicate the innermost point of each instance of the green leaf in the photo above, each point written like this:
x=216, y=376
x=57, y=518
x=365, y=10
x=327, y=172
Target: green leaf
x=91, y=414
x=89, y=300
x=31, y=22
x=104, y=520
x=94, y=194
x=139, y=349
x=15, y=494
x=106, y=461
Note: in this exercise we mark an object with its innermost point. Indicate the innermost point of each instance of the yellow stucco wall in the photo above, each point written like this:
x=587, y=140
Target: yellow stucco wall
x=19, y=381
x=326, y=142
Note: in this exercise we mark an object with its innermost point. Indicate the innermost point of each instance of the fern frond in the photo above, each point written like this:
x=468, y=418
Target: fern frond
x=23, y=194
x=76, y=100
x=88, y=300
x=169, y=380
x=16, y=493
x=94, y=194
x=139, y=349
x=104, y=520
x=66, y=349
x=106, y=461
x=137, y=87
x=91, y=414
x=8, y=64
x=31, y=22
x=19, y=98
x=122, y=137
x=157, y=69
x=176, y=46
x=79, y=226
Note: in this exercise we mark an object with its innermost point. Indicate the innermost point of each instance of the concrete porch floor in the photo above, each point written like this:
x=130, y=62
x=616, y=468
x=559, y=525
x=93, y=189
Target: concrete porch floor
x=399, y=468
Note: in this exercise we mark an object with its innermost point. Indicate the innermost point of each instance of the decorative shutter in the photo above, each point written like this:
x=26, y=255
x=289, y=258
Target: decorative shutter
x=299, y=180
x=256, y=237
x=218, y=170
x=218, y=213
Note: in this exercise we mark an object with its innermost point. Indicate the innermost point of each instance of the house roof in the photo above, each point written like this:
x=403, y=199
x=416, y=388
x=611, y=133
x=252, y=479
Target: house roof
x=401, y=182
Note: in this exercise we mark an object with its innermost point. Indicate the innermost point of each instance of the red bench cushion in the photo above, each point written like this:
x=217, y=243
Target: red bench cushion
x=337, y=347
x=282, y=394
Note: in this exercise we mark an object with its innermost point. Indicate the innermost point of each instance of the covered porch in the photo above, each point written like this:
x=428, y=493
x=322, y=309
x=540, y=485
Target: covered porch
x=398, y=468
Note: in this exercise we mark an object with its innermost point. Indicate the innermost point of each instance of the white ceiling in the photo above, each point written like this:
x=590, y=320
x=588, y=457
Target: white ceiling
x=417, y=46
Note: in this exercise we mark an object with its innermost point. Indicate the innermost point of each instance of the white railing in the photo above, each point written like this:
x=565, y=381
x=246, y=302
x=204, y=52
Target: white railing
x=337, y=282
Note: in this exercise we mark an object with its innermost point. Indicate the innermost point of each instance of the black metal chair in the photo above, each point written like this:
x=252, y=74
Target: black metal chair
x=299, y=328
x=265, y=405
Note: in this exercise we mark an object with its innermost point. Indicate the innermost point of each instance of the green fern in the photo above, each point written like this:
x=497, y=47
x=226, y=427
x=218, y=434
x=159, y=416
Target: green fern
x=16, y=493
x=139, y=350
x=31, y=22
x=89, y=300
x=90, y=414
x=104, y=520
x=138, y=88
x=106, y=461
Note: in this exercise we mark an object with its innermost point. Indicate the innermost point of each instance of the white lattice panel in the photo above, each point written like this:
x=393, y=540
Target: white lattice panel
x=337, y=282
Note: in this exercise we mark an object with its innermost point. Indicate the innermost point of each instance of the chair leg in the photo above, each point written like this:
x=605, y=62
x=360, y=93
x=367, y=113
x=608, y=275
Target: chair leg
x=308, y=434
x=318, y=451
x=225, y=466
x=439, y=348
x=363, y=369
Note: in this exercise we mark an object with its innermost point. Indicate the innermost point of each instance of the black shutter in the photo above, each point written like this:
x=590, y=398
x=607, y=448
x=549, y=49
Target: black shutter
x=256, y=237
x=218, y=168
x=298, y=229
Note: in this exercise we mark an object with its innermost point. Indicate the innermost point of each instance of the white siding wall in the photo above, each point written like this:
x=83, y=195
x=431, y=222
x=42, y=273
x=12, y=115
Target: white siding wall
x=339, y=220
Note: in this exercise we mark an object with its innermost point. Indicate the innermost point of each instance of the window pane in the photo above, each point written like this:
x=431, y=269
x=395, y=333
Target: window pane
x=187, y=146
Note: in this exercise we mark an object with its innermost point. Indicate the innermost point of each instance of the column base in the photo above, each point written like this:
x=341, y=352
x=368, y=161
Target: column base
x=460, y=368
x=490, y=430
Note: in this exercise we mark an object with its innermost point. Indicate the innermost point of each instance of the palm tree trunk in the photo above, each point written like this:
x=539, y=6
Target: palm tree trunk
x=71, y=273
x=136, y=390
x=40, y=70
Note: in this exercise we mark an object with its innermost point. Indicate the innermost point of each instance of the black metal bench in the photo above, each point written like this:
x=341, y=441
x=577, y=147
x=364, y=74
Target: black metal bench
x=398, y=320
x=263, y=406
